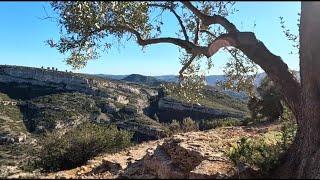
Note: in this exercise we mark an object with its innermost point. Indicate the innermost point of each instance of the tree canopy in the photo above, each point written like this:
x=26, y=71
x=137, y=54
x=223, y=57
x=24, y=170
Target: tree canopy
x=87, y=27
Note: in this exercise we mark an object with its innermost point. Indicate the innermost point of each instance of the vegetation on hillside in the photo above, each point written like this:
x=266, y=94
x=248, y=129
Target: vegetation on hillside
x=213, y=99
x=264, y=152
x=79, y=145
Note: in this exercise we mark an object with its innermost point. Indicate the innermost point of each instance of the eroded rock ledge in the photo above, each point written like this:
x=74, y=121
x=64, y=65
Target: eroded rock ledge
x=191, y=155
x=169, y=108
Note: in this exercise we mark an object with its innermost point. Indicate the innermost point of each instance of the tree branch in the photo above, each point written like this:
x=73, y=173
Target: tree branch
x=208, y=32
x=208, y=20
x=196, y=36
x=185, y=66
x=183, y=28
x=273, y=65
x=187, y=45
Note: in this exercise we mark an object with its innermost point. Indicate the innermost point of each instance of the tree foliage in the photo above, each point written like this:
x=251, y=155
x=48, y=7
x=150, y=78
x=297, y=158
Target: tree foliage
x=89, y=28
x=268, y=104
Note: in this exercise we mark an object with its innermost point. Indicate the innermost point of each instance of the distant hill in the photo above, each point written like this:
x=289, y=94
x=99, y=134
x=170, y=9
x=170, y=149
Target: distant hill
x=110, y=76
x=168, y=78
x=140, y=79
x=212, y=80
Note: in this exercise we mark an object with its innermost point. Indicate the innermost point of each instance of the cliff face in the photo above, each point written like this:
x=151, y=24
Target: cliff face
x=46, y=92
x=43, y=77
x=131, y=106
x=169, y=108
x=65, y=81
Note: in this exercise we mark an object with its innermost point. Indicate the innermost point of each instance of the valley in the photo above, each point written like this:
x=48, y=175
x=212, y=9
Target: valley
x=48, y=101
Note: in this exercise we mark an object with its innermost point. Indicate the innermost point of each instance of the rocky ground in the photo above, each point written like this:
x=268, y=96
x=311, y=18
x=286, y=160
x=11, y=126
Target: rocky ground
x=191, y=155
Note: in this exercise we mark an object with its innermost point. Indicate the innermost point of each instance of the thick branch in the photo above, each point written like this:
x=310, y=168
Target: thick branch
x=208, y=20
x=187, y=45
x=273, y=65
x=183, y=28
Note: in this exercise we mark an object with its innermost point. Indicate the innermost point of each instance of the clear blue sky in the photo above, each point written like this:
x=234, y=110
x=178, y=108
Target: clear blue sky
x=22, y=36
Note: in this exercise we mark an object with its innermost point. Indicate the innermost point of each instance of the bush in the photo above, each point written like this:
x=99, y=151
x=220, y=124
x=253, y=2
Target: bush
x=211, y=124
x=74, y=148
x=261, y=153
x=256, y=153
x=268, y=107
x=188, y=125
x=288, y=128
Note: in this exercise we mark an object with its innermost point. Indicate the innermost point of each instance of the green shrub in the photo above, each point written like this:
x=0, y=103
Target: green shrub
x=256, y=153
x=288, y=128
x=79, y=145
x=174, y=126
x=211, y=124
x=268, y=106
x=260, y=152
x=188, y=125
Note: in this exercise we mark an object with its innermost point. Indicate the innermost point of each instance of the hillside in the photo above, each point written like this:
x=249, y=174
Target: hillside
x=37, y=102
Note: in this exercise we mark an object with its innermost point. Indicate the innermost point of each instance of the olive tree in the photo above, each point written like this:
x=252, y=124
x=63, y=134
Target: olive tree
x=86, y=25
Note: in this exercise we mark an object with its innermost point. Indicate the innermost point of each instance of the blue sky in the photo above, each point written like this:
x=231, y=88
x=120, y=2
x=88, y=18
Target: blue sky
x=22, y=36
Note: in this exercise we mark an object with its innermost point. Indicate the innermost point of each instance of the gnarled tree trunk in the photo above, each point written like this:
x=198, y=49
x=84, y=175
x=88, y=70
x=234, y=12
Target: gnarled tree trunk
x=304, y=156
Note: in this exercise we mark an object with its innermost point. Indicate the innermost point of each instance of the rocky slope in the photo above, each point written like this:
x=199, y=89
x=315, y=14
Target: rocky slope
x=42, y=91
x=36, y=101
x=193, y=155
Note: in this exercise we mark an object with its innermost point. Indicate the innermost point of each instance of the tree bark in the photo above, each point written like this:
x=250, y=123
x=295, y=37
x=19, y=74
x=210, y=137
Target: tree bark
x=273, y=65
x=304, y=157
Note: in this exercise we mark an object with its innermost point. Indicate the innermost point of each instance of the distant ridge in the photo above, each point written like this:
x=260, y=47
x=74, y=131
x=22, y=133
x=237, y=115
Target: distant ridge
x=140, y=79
x=212, y=80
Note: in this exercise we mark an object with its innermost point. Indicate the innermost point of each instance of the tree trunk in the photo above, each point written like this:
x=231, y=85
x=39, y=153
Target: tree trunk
x=303, y=160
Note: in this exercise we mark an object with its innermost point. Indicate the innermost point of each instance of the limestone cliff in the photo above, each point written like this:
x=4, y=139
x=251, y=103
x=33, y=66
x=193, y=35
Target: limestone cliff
x=169, y=108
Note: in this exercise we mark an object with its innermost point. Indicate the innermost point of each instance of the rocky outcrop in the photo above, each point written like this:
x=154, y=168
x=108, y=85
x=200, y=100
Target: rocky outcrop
x=43, y=77
x=7, y=138
x=198, y=155
x=113, y=96
x=66, y=81
x=143, y=132
x=193, y=155
x=169, y=108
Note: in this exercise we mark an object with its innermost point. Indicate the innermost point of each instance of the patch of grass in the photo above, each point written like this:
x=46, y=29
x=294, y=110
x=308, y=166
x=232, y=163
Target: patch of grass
x=11, y=118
